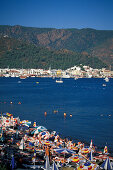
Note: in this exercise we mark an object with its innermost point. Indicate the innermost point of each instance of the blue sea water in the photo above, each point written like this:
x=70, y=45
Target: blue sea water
x=90, y=104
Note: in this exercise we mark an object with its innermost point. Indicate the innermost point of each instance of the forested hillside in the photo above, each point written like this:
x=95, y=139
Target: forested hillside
x=42, y=47
x=15, y=53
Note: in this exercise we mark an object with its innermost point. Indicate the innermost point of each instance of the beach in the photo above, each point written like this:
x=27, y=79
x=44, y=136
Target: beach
x=77, y=111
x=87, y=101
x=26, y=145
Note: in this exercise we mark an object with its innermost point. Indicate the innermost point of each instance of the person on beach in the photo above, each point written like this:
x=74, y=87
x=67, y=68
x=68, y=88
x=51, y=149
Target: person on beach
x=47, y=151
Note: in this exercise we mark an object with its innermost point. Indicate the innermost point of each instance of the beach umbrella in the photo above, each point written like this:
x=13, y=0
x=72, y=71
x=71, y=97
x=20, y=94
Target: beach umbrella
x=36, y=131
x=75, y=159
x=13, y=164
x=105, y=150
x=42, y=128
x=54, y=166
x=91, y=156
x=47, y=165
x=31, y=144
x=23, y=127
x=91, y=144
x=64, y=150
x=4, y=114
x=45, y=134
x=21, y=144
x=34, y=124
x=87, y=165
x=25, y=122
x=47, y=143
x=39, y=129
x=84, y=150
x=106, y=164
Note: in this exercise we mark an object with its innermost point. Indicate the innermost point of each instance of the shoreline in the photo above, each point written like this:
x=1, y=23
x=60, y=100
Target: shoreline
x=27, y=142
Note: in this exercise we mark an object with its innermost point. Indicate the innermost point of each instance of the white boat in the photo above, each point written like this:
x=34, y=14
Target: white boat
x=66, y=76
x=104, y=85
x=106, y=79
x=6, y=75
x=75, y=78
x=59, y=81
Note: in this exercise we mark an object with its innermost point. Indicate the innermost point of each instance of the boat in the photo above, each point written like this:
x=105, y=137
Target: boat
x=66, y=76
x=75, y=78
x=32, y=76
x=55, y=111
x=106, y=79
x=104, y=85
x=23, y=77
x=59, y=81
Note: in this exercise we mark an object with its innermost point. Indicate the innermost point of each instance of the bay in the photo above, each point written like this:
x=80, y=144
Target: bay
x=89, y=102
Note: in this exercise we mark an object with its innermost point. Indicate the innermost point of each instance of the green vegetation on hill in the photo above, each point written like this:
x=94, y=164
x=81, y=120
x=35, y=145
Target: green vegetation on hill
x=86, y=46
x=18, y=54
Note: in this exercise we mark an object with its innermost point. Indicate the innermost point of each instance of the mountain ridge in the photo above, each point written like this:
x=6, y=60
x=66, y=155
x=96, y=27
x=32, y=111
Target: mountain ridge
x=86, y=40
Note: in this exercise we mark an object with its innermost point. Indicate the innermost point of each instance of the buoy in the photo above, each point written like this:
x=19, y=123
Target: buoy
x=64, y=114
x=19, y=102
x=11, y=102
x=70, y=115
x=55, y=111
x=45, y=113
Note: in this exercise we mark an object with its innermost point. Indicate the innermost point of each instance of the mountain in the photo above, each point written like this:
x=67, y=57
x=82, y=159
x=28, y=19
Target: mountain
x=86, y=44
x=16, y=53
x=104, y=51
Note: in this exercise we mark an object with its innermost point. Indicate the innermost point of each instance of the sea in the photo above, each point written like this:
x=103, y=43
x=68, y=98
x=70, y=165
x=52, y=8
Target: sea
x=89, y=101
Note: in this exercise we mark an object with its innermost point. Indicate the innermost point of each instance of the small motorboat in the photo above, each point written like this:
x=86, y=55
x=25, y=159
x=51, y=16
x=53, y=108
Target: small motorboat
x=59, y=81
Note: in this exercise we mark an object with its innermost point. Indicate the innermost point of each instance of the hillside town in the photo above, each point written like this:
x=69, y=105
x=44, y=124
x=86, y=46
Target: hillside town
x=73, y=72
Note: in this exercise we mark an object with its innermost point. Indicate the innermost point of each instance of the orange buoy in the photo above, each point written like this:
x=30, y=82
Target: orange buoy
x=11, y=102
x=55, y=111
x=70, y=115
x=45, y=113
x=19, y=102
x=64, y=114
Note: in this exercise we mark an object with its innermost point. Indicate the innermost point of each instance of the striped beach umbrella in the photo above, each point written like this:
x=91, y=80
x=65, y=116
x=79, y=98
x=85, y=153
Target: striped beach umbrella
x=47, y=143
x=64, y=150
x=47, y=165
x=106, y=164
x=75, y=159
x=54, y=166
x=91, y=156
